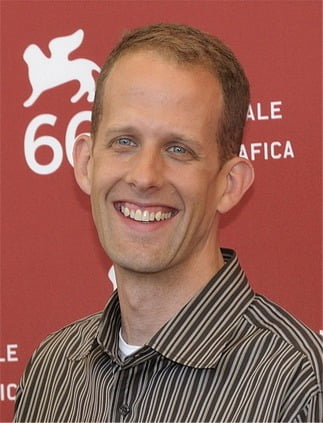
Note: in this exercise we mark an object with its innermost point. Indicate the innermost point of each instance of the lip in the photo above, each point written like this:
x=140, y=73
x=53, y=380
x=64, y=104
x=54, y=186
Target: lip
x=151, y=208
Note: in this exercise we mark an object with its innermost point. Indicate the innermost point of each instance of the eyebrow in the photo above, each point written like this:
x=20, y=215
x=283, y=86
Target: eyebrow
x=119, y=130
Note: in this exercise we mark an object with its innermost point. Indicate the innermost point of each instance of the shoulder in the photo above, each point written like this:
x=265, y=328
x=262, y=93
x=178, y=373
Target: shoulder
x=289, y=331
x=69, y=340
x=51, y=364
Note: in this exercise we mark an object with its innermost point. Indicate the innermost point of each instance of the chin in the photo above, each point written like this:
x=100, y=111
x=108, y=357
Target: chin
x=138, y=266
x=136, y=259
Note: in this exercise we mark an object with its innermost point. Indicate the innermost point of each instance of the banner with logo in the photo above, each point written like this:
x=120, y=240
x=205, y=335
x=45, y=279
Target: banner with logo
x=53, y=270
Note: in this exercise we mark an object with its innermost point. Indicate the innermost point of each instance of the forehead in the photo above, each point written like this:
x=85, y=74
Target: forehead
x=145, y=71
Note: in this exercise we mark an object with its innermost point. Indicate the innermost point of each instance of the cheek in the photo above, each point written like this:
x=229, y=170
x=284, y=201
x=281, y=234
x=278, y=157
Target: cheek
x=205, y=196
x=105, y=181
x=96, y=213
x=201, y=186
x=105, y=174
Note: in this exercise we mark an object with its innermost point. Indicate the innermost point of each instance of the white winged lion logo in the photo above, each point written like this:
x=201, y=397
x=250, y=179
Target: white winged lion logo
x=49, y=72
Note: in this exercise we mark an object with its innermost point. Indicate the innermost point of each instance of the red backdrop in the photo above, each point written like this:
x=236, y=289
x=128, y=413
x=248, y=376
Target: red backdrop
x=53, y=270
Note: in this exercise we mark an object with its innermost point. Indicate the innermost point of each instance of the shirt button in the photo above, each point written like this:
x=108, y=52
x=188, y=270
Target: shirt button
x=124, y=409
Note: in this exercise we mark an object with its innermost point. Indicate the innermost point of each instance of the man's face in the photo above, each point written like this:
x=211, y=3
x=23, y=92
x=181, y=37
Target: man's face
x=154, y=170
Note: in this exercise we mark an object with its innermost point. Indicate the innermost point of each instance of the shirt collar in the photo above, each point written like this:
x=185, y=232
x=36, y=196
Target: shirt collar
x=99, y=329
x=198, y=334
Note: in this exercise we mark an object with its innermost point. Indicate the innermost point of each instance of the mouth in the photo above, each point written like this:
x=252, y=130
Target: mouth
x=146, y=214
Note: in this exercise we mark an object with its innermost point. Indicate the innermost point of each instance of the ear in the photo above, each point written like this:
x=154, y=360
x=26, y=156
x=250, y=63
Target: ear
x=238, y=174
x=82, y=157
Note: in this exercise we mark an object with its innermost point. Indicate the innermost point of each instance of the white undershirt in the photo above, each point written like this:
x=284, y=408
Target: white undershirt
x=126, y=349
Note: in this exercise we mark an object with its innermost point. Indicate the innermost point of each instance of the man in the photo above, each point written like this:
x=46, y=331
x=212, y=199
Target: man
x=184, y=338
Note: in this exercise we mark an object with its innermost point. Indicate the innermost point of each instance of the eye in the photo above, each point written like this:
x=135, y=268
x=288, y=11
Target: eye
x=178, y=149
x=124, y=141
x=122, y=144
x=179, y=152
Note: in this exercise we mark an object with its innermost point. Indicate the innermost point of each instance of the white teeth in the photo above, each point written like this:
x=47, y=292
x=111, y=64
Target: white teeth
x=158, y=216
x=126, y=211
x=138, y=215
x=145, y=216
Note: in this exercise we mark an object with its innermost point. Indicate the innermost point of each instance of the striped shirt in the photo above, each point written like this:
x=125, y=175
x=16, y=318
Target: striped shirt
x=229, y=355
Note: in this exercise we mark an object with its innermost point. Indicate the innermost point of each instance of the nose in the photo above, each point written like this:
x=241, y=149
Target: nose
x=145, y=171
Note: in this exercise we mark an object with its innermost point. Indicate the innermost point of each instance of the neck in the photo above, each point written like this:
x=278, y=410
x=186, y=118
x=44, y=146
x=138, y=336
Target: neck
x=148, y=301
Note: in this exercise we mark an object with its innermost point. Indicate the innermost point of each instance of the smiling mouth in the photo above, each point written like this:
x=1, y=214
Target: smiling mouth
x=146, y=214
